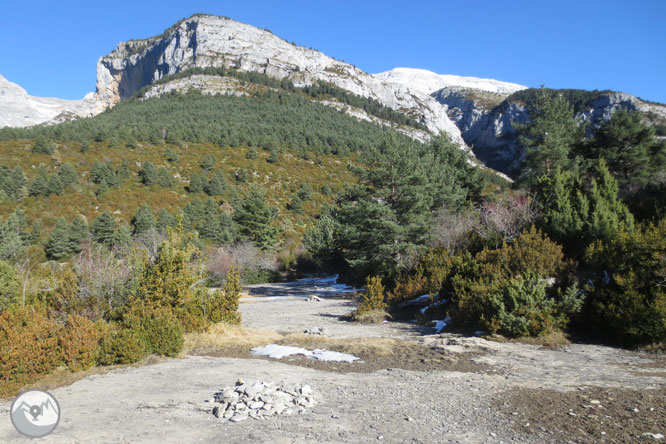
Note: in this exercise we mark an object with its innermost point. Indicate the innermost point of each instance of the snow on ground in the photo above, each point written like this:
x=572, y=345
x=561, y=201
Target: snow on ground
x=282, y=351
x=440, y=325
x=427, y=82
x=329, y=285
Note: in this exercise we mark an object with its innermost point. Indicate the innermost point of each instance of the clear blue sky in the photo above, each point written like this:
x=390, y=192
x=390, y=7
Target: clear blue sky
x=51, y=48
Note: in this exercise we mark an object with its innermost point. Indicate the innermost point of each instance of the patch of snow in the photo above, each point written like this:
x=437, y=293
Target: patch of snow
x=436, y=304
x=329, y=285
x=479, y=332
x=427, y=82
x=440, y=325
x=282, y=351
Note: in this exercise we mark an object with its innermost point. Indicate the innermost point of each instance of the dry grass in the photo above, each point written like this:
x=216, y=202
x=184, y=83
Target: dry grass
x=555, y=339
x=375, y=316
x=235, y=341
x=228, y=339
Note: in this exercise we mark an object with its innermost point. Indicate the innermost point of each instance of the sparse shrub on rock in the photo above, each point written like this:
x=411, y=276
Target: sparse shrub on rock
x=371, y=307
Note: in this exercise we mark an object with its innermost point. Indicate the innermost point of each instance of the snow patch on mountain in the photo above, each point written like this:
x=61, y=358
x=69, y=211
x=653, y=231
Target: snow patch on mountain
x=428, y=82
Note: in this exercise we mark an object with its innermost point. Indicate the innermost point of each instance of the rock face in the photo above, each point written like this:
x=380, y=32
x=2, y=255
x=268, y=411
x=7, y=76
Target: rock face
x=487, y=122
x=203, y=41
x=18, y=109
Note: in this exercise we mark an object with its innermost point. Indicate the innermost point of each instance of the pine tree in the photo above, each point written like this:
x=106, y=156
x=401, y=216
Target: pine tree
x=630, y=148
x=58, y=245
x=273, y=157
x=164, y=220
x=255, y=218
x=607, y=212
x=85, y=147
x=54, y=185
x=549, y=137
x=252, y=153
x=164, y=178
x=78, y=233
x=208, y=162
x=143, y=219
x=40, y=186
x=305, y=191
x=197, y=183
x=148, y=173
x=42, y=146
x=102, y=189
x=67, y=175
x=122, y=238
x=171, y=155
x=104, y=228
x=216, y=184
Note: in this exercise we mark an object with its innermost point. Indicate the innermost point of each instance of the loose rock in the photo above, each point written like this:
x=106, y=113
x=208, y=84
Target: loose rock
x=261, y=400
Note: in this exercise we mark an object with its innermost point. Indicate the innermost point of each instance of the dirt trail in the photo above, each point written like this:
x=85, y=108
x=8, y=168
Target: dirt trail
x=508, y=393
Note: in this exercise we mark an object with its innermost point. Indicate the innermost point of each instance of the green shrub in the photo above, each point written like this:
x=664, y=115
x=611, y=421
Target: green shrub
x=627, y=300
x=223, y=306
x=78, y=343
x=119, y=345
x=504, y=290
x=9, y=286
x=159, y=327
x=28, y=347
x=373, y=296
x=520, y=308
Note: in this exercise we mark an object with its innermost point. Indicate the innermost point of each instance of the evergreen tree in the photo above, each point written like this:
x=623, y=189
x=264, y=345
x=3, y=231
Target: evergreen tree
x=58, y=245
x=575, y=215
x=171, y=155
x=143, y=219
x=194, y=212
x=241, y=175
x=12, y=242
x=54, y=185
x=273, y=156
x=255, y=218
x=305, y=191
x=326, y=190
x=102, y=189
x=104, y=228
x=122, y=238
x=549, y=137
x=164, y=178
x=148, y=173
x=124, y=172
x=252, y=153
x=208, y=162
x=197, y=183
x=388, y=215
x=216, y=184
x=164, y=220
x=78, y=233
x=630, y=148
x=67, y=175
x=215, y=225
x=85, y=147
x=42, y=146
x=40, y=186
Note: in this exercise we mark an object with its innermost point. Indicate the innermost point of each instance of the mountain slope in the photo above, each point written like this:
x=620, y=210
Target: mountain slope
x=18, y=109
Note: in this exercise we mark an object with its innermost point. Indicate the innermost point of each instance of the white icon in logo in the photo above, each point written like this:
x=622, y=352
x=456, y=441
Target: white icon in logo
x=35, y=413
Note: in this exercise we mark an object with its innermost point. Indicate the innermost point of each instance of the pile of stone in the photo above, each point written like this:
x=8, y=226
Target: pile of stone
x=261, y=400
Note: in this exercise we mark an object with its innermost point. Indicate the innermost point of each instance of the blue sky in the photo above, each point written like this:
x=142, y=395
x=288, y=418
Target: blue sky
x=51, y=48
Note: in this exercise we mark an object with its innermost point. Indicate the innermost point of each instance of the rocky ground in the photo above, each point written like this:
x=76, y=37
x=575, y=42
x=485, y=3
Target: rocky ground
x=416, y=387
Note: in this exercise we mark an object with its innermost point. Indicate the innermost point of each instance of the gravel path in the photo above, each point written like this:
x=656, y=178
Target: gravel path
x=166, y=402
